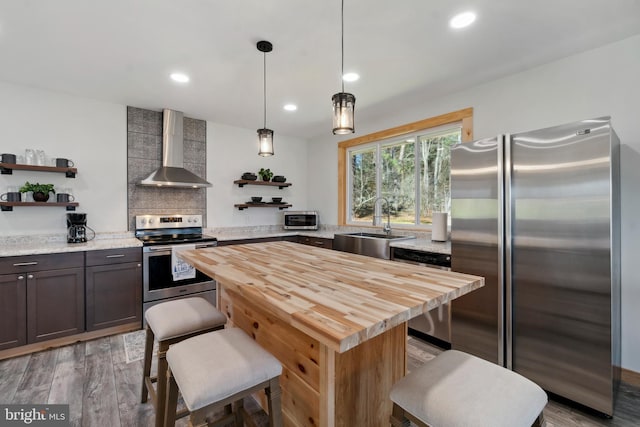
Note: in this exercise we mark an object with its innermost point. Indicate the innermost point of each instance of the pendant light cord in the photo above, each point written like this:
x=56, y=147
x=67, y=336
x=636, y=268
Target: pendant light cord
x=342, y=45
x=264, y=69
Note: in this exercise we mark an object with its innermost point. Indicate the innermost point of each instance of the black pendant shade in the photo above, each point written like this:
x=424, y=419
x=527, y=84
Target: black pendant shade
x=265, y=136
x=344, y=104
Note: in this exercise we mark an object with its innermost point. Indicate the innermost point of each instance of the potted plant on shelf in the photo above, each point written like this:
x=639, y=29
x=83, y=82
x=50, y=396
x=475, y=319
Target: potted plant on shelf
x=265, y=174
x=40, y=191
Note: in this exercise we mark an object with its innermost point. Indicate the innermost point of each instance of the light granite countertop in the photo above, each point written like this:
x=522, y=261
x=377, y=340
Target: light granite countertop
x=57, y=243
x=422, y=242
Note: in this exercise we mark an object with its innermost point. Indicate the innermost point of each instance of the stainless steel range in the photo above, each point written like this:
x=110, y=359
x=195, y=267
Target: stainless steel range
x=161, y=235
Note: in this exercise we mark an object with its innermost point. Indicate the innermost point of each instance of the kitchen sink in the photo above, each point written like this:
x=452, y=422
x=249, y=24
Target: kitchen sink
x=375, y=245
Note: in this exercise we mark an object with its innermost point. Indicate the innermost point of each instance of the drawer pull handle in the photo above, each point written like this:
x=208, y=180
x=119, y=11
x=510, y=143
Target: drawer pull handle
x=20, y=264
x=29, y=276
x=115, y=256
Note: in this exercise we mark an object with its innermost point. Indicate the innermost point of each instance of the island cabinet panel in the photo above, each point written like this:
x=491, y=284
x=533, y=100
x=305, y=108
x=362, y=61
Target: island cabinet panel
x=298, y=353
x=13, y=310
x=373, y=366
x=55, y=305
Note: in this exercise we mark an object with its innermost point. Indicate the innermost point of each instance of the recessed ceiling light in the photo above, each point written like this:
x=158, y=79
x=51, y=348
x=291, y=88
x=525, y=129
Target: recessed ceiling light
x=290, y=107
x=462, y=20
x=179, y=77
x=350, y=77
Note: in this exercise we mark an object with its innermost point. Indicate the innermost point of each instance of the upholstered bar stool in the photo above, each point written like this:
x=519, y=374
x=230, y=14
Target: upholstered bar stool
x=216, y=370
x=169, y=323
x=456, y=389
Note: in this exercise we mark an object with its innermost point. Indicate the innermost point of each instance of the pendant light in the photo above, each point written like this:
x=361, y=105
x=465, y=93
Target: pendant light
x=344, y=103
x=265, y=136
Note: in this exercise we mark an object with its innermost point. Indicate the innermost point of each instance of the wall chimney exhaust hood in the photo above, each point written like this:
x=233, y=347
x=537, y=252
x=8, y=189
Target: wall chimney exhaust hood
x=172, y=173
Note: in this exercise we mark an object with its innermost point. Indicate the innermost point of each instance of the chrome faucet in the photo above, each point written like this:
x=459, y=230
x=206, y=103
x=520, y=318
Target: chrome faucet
x=387, y=227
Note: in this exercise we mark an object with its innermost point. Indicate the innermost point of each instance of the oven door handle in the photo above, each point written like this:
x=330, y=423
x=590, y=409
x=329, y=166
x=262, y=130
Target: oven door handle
x=159, y=248
x=206, y=245
x=168, y=248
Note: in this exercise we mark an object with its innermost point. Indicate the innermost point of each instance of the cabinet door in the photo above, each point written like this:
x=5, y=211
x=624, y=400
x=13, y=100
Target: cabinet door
x=114, y=295
x=13, y=310
x=55, y=304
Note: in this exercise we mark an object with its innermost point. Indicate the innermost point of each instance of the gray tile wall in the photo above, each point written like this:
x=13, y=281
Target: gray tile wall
x=144, y=155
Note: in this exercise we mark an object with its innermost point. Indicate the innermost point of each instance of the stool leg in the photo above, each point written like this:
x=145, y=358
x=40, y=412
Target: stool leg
x=539, y=422
x=273, y=398
x=162, y=383
x=171, y=405
x=238, y=411
x=146, y=370
x=397, y=418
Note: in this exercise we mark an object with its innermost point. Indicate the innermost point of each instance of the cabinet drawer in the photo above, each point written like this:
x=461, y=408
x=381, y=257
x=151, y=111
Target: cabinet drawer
x=319, y=242
x=114, y=256
x=19, y=264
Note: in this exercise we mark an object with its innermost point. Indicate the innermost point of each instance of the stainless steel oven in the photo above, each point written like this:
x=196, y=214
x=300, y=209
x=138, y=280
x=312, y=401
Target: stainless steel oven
x=161, y=235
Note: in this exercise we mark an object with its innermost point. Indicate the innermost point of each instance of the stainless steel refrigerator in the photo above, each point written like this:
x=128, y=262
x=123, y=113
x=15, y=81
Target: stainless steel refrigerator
x=537, y=214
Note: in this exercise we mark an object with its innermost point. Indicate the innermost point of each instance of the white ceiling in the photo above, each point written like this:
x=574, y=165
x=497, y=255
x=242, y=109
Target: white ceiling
x=123, y=51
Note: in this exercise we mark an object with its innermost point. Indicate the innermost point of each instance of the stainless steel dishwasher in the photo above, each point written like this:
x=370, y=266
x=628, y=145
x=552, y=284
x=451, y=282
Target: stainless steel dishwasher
x=435, y=325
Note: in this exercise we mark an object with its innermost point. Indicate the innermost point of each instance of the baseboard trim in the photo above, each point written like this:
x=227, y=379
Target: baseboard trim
x=630, y=377
x=59, y=342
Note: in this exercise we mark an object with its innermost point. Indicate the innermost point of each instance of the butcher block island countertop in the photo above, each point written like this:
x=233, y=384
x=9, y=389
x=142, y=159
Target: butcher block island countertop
x=335, y=320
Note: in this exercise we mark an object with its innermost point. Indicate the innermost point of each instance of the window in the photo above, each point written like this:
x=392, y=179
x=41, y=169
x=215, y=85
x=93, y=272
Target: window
x=408, y=166
x=413, y=176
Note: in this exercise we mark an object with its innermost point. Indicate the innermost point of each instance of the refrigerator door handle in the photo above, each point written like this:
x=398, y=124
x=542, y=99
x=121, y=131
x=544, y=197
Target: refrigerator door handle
x=507, y=214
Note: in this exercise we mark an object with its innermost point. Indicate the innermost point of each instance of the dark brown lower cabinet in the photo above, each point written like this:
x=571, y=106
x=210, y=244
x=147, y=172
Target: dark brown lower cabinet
x=113, y=287
x=55, y=304
x=13, y=310
x=319, y=242
x=41, y=298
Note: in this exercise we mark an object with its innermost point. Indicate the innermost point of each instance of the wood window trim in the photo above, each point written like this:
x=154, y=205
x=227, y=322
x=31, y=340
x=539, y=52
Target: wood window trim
x=465, y=116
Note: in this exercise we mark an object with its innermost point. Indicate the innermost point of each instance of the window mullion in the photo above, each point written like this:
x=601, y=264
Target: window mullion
x=418, y=181
x=378, y=181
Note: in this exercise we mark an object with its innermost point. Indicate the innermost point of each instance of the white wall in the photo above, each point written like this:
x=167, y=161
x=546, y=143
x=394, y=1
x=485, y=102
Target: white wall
x=91, y=133
x=232, y=151
x=604, y=81
x=94, y=135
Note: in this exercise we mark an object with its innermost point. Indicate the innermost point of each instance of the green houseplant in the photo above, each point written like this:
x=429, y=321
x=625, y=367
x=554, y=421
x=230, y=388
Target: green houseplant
x=265, y=174
x=40, y=191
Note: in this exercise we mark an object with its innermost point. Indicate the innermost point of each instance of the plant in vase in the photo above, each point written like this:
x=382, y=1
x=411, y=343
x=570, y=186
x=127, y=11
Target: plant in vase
x=265, y=174
x=40, y=191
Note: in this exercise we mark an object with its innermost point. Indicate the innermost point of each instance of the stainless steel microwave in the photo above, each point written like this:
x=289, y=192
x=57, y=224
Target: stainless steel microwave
x=301, y=220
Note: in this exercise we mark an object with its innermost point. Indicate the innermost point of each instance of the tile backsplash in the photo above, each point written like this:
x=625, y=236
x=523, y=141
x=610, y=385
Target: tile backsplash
x=144, y=155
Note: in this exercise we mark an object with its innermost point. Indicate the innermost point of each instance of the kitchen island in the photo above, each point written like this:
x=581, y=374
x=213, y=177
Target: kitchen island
x=335, y=320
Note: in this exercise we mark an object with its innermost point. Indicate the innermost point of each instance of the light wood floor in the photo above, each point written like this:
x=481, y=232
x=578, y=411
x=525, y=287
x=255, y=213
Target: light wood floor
x=103, y=390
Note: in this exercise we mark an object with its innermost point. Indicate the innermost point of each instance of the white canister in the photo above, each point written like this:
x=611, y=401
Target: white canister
x=439, y=227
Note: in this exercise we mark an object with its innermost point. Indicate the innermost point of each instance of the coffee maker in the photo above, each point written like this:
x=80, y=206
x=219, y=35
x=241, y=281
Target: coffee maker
x=76, y=227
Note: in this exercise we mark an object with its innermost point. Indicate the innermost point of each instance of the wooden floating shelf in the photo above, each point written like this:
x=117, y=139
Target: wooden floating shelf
x=242, y=182
x=8, y=168
x=280, y=206
x=8, y=206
